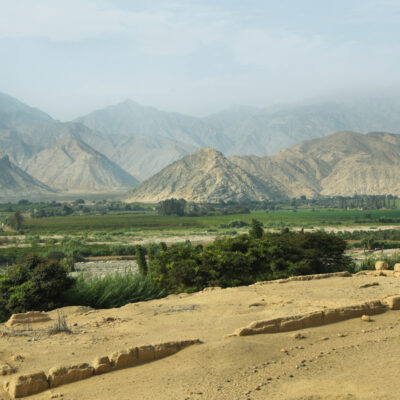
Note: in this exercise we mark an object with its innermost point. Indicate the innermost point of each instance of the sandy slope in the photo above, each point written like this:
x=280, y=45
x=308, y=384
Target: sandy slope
x=357, y=359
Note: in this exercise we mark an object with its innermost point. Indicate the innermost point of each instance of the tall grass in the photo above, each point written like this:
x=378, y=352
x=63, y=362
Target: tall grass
x=369, y=262
x=112, y=290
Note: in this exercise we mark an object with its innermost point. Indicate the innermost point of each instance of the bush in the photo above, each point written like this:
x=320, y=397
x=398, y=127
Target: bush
x=243, y=260
x=112, y=290
x=35, y=284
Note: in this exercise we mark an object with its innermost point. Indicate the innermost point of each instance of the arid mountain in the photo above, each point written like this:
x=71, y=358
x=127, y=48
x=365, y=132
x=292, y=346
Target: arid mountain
x=141, y=156
x=204, y=176
x=74, y=166
x=345, y=163
x=249, y=130
x=25, y=131
x=266, y=131
x=131, y=119
x=143, y=140
x=14, y=182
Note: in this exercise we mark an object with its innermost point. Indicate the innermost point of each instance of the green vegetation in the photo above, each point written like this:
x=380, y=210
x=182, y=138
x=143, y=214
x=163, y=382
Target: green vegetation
x=141, y=260
x=246, y=259
x=35, y=284
x=256, y=231
x=151, y=222
x=15, y=220
x=72, y=250
x=57, y=235
x=369, y=262
x=112, y=290
x=43, y=284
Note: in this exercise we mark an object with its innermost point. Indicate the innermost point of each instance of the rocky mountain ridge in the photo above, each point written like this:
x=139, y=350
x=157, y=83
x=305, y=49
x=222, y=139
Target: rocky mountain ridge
x=14, y=182
x=137, y=142
x=345, y=163
x=205, y=176
x=73, y=166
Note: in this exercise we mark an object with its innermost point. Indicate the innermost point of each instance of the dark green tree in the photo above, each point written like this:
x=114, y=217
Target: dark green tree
x=141, y=259
x=172, y=207
x=16, y=220
x=34, y=284
x=256, y=229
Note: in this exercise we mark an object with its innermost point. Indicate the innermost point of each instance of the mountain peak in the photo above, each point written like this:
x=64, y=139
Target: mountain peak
x=210, y=151
x=205, y=176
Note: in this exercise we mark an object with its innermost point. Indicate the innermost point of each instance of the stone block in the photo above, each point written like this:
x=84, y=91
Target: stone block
x=25, y=385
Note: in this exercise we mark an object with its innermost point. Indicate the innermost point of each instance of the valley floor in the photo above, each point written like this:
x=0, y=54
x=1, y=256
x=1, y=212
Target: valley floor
x=352, y=359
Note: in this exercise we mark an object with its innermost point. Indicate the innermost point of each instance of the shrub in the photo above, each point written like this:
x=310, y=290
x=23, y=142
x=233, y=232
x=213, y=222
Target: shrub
x=112, y=290
x=35, y=284
x=244, y=259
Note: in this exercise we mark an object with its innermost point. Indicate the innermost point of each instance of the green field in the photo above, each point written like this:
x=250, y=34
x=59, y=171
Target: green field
x=152, y=222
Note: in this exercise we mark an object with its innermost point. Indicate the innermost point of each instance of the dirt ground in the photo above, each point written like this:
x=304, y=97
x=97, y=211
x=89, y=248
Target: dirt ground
x=348, y=360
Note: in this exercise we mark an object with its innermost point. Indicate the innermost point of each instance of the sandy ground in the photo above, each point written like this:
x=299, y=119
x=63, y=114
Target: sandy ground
x=346, y=360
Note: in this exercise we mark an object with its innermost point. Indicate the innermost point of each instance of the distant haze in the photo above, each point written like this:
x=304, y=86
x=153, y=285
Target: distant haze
x=68, y=57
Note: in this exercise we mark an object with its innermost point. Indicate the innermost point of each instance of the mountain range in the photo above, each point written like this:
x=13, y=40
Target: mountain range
x=344, y=163
x=73, y=166
x=16, y=183
x=114, y=148
x=204, y=176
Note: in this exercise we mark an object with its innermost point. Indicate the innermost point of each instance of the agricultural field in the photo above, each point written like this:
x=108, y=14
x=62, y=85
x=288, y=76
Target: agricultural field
x=153, y=223
x=115, y=234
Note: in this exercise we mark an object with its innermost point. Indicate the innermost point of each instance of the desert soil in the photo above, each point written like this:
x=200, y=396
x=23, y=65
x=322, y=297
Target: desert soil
x=348, y=360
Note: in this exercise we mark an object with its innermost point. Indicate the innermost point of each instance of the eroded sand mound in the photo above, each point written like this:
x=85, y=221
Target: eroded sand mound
x=336, y=358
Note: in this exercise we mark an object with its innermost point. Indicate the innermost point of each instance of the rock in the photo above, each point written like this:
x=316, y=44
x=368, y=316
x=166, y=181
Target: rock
x=28, y=318
x=6, y=369
x=165, y=349
x=311, y=319
x=393, y=302
x=366, y=318
x=146, y=354
x=297, y=335
x=369, y=285
x=101, y=365
x=25, y=385
x=256, y=305
x=62, y=375
x=396, y=267
x=381, y=265
x=124, y=358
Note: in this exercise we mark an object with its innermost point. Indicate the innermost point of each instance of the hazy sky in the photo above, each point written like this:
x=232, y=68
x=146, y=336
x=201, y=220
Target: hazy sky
x=69, y=57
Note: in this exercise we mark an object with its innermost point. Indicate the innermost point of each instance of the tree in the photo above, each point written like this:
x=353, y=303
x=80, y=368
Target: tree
x=172, y=207
x=34, y=284
x=16, y=220
x=141, y=259
x=256, y=230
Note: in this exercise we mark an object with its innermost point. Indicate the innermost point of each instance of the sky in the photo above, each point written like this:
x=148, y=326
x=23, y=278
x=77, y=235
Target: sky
x=69, y=57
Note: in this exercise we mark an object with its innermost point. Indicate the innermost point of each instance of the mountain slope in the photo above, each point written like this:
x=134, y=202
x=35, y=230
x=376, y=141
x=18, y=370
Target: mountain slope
x=267, y=131
x=345, y=163
x=25, y=131
x=205, y=176
x=141, y=156
x=14, y=182
x=131, y=119
x=74, y=166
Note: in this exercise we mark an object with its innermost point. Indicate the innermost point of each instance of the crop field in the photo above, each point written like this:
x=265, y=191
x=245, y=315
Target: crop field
x=152, y=222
